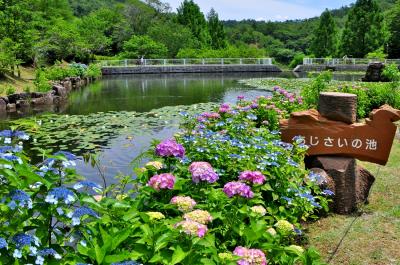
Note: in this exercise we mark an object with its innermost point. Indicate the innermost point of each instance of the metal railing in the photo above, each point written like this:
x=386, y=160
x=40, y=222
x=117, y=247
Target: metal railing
x=190, y=61
x=346, y=61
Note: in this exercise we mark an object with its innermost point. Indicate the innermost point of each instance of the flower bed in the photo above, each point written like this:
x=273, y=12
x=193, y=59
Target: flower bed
x=225, y=190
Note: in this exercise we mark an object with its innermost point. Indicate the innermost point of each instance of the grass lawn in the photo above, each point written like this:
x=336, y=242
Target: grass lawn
x=374, y=237
x=26, y=80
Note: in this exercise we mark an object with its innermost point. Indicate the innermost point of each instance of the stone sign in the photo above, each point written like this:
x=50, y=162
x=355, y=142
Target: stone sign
x=370, y=141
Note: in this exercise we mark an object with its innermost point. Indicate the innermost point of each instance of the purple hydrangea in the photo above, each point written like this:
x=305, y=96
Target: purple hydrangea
x=162, y=181
x=170, y=147
x=203, y=171
x=238, y=188
x=255, y=177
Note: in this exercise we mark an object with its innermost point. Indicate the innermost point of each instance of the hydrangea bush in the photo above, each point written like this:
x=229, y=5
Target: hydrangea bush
x=226, y=190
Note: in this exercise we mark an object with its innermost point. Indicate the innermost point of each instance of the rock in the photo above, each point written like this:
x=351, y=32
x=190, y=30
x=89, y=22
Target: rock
x=46, y=99
x=374, y=73
x=60, y=91
x=15, y=97
x=23, y=104
x=37, y=94
x=11, y=107
x=5, y=98
x=3, y=105
x=338, y=106
x=370, y=141
x=67, y=84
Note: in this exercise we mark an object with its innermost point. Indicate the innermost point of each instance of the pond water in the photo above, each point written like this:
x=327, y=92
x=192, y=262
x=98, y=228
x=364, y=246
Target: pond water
x=120, y=115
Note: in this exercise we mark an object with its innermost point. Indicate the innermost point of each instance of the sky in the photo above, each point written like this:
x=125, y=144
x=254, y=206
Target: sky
x=274, y=10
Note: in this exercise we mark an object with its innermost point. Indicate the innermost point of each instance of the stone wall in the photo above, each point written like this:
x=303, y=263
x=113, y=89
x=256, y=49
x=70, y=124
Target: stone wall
x=189, y=69
x=319, y=68
x=23, y=102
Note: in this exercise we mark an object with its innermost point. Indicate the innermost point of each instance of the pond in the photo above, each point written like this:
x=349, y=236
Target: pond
x=119, y=116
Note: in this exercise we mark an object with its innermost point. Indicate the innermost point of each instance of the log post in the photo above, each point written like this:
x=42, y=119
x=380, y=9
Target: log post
x=352, y=183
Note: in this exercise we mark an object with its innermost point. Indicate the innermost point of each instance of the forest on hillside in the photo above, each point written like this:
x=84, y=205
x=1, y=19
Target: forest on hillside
x=41, y=32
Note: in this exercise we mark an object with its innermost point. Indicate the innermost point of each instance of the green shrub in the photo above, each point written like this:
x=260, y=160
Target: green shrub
x=391, y=72
x=93, y=71
x=311, y=91
x=297, y=60
x=41, y=82
x=10, y=90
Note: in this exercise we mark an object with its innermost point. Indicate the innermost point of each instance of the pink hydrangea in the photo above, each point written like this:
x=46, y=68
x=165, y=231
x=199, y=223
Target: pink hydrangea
x=250, y=256
x=224, y=108
x=192, y=228
x=170, y=148
x=238, y=188
x=255, y=177
x=211, y=115
x=162, y=181
x=203, y=171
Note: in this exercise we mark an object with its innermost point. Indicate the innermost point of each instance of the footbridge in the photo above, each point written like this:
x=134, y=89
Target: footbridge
x=207, y=65
x=339, y=64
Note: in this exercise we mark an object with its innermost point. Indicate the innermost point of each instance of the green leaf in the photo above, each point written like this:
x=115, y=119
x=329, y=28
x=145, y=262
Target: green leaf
x=178, y=255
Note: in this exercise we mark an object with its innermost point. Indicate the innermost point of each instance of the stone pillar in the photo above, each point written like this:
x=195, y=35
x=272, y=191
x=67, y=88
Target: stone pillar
x=352, y=183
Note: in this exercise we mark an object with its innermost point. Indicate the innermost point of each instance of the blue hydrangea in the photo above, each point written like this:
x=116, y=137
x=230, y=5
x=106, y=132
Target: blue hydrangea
x=22, y=240
x=10, y=157
x=79, y=212
x=316, y=178
x=5, y=149
x=252, y=117
x=328, y=192
x=56, y=195
x=6, y=133
x=3, y=243
x=67, y=155
x=87, y=185
x=9, y=134
x=48, y=252
x=19, y=198
x=128, y=262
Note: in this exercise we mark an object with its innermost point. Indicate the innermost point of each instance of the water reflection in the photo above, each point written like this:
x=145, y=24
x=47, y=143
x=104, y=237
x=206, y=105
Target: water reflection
x=143, y=93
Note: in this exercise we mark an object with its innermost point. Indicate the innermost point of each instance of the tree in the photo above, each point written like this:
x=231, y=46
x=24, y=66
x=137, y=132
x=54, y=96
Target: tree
x=325, y=36
x=189, y=15
x=363, y=31
x=174, y=36
x=145, y=46
x=216, y=30
x=394, y=29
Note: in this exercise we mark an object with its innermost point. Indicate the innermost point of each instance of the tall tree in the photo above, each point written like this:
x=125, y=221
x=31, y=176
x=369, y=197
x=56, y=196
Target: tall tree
x=216, y=30
x=393, y=47
x=363, y=31
x=325, y=36
x=189, y=15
